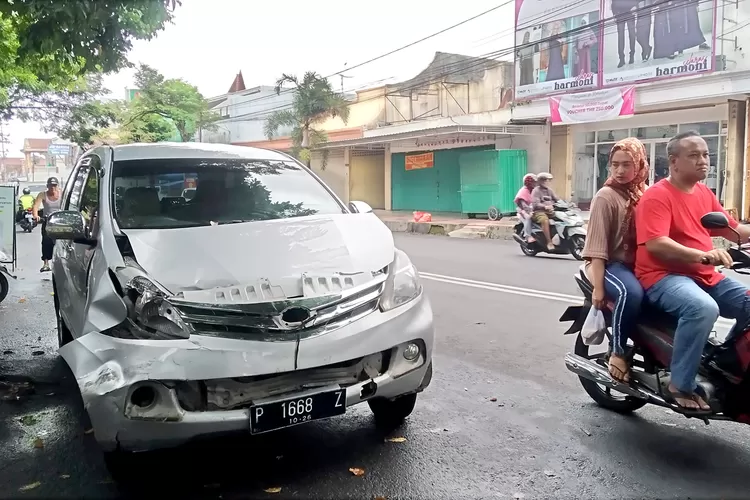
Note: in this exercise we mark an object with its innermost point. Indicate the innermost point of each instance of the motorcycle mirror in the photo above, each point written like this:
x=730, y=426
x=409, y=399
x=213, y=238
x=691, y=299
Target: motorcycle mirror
x=715, y=220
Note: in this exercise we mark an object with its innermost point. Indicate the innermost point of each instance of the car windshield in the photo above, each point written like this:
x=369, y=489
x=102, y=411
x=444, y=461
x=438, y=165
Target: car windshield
x=173, y=193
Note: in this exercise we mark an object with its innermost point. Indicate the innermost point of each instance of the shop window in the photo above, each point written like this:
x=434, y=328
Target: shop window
x=590, y=138
x=585, y=167
x=663, y=132
x=703, y=128
x=712, y=181
x=602, y=164
x=612, y=135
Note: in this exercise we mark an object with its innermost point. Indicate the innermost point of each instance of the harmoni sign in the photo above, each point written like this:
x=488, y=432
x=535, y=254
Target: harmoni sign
x=581, y=45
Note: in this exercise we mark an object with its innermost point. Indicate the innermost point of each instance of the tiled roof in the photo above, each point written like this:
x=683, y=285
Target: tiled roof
x=238, y=84
x=37, y=144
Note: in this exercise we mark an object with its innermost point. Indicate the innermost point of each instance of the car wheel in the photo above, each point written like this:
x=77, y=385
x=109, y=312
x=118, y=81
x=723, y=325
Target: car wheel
x=4, y=286
x=391, y=413
x=63, y=333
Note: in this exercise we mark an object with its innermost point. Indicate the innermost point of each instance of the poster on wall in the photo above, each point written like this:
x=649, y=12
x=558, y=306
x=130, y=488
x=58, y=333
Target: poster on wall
x=657, y=39
x=418, y=162
x=557, y=46
x=595, y=106
x=7, y=223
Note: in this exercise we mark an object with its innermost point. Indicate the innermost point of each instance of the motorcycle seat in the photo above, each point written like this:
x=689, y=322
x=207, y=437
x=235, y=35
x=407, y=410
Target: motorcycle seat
x=650, y=314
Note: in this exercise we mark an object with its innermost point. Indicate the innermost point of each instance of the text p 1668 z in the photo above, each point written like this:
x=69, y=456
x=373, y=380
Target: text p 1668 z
x=279, y=414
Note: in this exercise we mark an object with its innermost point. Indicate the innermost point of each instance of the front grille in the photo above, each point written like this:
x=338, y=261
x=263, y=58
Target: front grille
x=257, y=321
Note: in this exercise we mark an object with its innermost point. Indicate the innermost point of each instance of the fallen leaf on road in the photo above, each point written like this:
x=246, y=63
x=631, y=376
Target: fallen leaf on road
x=52, y=293
x=88, y=431
x=395, y=440
x=38, y=443
x=64, y=476
x=22, y=300
x=30, y=487
x=29, y=420
x=37, y=353
x=549, y=473
x=493, y=399
x=380, y=498
x=275, y=489
x=586, y=432
x=357, y=471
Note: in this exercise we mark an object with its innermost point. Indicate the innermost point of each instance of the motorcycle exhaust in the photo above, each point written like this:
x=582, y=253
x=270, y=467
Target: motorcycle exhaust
x=591, y=371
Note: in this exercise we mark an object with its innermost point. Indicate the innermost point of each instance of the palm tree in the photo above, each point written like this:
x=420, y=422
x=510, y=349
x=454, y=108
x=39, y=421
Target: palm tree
x=314, y=102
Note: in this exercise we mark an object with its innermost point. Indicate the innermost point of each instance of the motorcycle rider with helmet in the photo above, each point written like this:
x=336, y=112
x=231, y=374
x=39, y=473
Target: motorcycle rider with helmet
x=25, y=202
x=542, y=200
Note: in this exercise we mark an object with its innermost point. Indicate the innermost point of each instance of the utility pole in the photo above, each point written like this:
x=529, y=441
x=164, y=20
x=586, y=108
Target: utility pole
x=3, y=141
x=342, y=76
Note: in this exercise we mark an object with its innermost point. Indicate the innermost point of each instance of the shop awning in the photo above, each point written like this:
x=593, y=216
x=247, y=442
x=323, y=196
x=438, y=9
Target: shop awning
x=458, y=131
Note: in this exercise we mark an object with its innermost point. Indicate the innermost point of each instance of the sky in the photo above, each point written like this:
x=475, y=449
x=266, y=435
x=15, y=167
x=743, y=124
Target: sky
x=211, y=40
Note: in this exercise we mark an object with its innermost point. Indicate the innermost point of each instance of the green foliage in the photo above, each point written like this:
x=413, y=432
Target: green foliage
x=49, y=46
x=174, y=99
x=314, y=102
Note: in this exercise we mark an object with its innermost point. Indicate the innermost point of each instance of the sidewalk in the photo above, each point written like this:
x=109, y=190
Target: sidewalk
x=455, y=225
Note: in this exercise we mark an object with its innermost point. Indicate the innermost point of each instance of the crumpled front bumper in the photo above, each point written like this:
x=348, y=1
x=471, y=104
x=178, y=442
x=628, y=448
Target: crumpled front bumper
x=108, y=370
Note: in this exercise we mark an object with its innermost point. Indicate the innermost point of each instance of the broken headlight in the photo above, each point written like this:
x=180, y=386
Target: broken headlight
x=402, y=285
x=150, y=314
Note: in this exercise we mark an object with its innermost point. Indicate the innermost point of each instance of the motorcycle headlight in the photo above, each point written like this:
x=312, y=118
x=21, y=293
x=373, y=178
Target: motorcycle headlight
x=402, y=285
x=150, y=314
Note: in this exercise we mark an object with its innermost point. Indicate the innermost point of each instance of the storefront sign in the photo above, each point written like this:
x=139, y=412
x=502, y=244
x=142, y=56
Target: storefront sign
x=416, y=162
x=560, y=54
x=7, y=223
x=599, y=105
x=593, y=47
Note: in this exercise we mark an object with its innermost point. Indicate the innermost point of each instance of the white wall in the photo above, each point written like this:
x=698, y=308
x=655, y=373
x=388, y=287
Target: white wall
x=537, y=150
x=248, y=111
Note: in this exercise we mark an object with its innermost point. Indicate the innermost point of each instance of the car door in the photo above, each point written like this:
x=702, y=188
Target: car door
x=84, y=198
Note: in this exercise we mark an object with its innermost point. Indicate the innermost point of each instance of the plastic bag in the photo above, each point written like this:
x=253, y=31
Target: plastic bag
x=594, y=328
x=422, y=216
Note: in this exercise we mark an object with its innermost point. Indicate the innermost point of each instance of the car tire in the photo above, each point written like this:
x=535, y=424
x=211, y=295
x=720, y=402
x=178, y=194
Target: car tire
x=63, y=333
x=4, y=287
x=391, y=413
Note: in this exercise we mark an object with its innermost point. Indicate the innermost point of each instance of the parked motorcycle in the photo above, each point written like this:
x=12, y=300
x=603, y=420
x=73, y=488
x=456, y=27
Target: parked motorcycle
x=27, y=221
x=723, y=374
x=566, y=230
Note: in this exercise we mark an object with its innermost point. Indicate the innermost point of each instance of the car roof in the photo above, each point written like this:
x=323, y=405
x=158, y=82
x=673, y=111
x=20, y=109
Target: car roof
x=194, y=150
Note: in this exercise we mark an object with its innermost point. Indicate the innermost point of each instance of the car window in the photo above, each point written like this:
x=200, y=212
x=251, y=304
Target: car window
x=151, y=194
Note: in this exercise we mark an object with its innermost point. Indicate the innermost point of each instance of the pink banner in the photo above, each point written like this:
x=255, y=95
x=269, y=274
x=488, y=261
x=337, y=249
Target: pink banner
x=596, y=106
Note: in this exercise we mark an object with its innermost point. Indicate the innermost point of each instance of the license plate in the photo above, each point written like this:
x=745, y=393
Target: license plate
x=286, y=413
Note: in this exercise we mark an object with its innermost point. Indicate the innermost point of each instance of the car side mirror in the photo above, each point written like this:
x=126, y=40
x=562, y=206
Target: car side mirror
x=67, y=225
x=715, y=220
x=359, y=207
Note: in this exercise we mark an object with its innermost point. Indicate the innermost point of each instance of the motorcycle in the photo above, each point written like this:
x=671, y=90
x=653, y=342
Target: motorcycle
x=27, y=221
x=723, y=375
x=566, y=230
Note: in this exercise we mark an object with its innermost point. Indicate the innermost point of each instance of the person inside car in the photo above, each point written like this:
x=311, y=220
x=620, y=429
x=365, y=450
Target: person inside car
x=542, y=200
x=675, y=263
x=610, y=246
x=523, y=204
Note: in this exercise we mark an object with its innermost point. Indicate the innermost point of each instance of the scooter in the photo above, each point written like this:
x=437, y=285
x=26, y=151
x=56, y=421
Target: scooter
x=27, y=221
x=723, y=375
x=566, y=230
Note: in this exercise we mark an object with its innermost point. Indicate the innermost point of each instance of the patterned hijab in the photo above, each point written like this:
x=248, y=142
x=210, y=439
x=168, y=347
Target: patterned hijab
x=633, y=190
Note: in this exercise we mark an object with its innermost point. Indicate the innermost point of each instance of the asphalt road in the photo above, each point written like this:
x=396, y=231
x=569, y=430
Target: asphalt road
x=503, y=418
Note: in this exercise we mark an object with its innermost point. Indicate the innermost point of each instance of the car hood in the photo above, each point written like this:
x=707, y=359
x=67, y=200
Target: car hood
x=275, y=253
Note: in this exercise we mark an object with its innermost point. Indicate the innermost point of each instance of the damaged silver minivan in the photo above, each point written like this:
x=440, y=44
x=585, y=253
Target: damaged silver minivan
x=259, y=302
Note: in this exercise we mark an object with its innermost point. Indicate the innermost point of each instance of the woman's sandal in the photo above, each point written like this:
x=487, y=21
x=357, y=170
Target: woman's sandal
x=620, y=373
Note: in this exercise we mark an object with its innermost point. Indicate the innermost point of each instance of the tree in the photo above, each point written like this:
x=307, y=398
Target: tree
x=174, y=99
x=314, y=102
x=50, y=46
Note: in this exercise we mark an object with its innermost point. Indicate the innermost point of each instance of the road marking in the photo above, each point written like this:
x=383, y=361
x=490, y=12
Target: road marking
x=525, y=292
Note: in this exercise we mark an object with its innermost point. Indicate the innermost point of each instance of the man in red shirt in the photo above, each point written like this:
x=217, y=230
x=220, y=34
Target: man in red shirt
x=675, y=262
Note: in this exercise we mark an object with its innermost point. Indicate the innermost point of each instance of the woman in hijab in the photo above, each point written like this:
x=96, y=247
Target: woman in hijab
x=611, y=243
x=523, y=204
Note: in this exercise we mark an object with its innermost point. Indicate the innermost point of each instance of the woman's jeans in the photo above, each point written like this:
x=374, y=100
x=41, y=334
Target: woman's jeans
x=621, y=285
x=526, y=223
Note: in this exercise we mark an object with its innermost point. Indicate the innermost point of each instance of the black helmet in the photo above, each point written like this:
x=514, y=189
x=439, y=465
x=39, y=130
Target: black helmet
x=52, y=181
x=26, y=191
